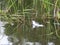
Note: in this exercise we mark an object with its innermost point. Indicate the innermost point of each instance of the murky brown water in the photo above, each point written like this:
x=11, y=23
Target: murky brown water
x=36, y=36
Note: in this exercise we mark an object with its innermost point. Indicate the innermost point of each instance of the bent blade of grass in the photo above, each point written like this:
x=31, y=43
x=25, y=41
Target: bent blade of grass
x=10, y=6
x=46, y=2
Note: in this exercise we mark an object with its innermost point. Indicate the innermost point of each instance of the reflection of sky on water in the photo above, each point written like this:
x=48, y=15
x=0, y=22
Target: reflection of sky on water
x=3, y=37
x=51, y=43
x=4, y=40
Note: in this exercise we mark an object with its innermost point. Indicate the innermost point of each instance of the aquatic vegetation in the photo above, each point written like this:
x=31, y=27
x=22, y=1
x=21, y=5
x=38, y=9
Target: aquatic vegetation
x=22, y=12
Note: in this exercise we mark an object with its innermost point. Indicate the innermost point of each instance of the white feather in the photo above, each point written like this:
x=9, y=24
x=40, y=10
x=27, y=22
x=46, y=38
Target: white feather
x=36, y=24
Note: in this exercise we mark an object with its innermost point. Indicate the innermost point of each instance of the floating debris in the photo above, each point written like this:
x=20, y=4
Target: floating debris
x=36, y=24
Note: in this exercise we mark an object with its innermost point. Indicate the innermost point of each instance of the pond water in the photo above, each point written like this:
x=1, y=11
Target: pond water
x=6, y=40
x=3, y=37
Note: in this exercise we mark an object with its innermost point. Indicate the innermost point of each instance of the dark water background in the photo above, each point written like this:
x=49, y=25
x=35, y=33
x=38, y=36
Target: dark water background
x=34, y=36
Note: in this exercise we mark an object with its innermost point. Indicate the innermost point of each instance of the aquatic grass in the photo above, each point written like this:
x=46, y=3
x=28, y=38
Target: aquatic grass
x=39, y=8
